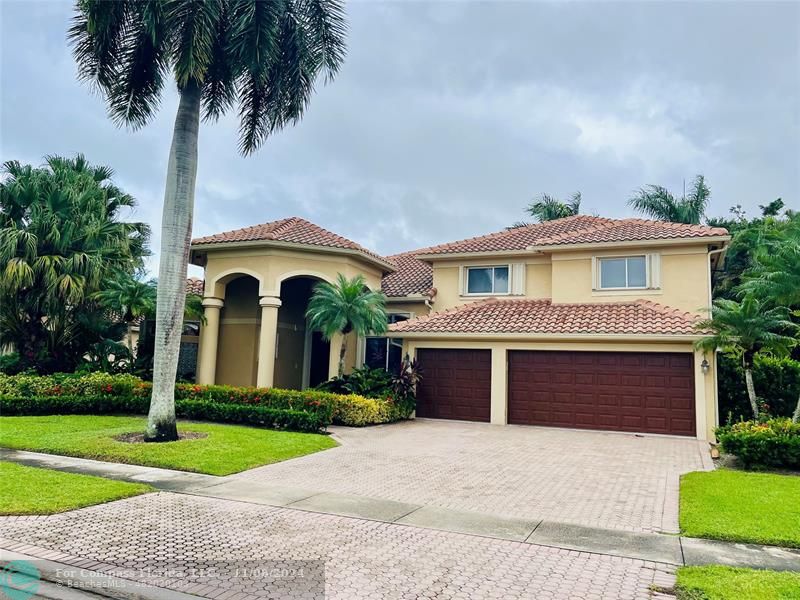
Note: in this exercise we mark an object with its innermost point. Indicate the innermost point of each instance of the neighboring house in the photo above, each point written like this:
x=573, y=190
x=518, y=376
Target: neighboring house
x=581, y=322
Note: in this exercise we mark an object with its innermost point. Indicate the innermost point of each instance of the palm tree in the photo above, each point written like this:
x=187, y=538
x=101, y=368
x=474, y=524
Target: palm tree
x=659, y=203
x=746, y=328
x=776, y=276
x=263, y=56
x=60, y=238
x=128, y=298
x=346, y=306
x=548, y=208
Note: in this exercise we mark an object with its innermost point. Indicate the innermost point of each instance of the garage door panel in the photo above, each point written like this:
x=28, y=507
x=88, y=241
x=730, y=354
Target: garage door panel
x=648, y=392
x=455, y=384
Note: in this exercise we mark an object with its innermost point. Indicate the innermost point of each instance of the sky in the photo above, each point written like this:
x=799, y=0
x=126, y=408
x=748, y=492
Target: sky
x=448, y=118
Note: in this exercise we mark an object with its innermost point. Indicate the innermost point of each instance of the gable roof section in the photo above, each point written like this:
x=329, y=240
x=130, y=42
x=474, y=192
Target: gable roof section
x=492, y=316
x=578, y=229
x=411, y=276
x=292, y=230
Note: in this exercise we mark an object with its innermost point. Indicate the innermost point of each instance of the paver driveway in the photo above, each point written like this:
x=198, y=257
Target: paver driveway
x=611, y=480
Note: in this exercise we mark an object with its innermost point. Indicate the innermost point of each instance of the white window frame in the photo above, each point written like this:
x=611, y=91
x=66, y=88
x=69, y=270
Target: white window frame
x=649, y=278
x=465, y=289
x=362, y=359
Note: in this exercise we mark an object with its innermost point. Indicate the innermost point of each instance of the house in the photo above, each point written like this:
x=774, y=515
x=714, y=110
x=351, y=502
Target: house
x=584, y=322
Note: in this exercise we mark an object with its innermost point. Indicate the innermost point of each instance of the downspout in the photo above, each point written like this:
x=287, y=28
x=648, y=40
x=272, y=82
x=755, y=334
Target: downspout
x=716, y=353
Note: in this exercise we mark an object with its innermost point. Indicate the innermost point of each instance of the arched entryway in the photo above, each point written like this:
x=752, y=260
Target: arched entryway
x=239, y=322
x=301, y=355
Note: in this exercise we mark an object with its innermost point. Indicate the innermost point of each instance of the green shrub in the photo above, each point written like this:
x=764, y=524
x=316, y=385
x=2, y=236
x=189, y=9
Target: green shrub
x=773, y=443
x=777, y=382
x=203, y=410
x=131, y=394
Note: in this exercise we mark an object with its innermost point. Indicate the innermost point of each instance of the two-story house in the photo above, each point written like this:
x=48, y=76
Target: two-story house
x=583, y=322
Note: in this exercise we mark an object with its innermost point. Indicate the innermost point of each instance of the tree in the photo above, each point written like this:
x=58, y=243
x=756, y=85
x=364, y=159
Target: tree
x=265, y=56
x=744, y=329
x=128, y=298
x=548, y=208
x=659, y=203
x=775, y=276
x=61, y=238
x=346, y=306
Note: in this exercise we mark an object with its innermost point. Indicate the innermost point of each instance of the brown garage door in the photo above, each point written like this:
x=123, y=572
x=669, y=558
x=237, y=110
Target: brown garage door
x=455, y=384
x=624, y=391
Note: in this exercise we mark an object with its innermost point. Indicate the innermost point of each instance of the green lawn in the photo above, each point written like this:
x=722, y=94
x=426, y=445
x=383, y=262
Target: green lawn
x=227, y=449
x=728, y=583
x=33, y=491
x=739, y=506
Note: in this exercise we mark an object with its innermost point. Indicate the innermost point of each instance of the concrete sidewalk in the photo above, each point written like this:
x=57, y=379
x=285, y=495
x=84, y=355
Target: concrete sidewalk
x=653, y=547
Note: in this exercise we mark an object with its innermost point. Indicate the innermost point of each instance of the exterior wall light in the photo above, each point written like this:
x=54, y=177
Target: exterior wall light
x=704, y=366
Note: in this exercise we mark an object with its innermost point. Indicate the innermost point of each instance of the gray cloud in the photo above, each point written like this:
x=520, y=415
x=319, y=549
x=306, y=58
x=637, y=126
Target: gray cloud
x=448, y=117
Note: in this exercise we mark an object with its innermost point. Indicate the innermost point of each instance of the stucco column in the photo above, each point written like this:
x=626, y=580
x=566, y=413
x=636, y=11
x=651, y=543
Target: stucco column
x=333, y=360
x=209, y=338
x=267, y=340
x=703, y=395
x=499, y=390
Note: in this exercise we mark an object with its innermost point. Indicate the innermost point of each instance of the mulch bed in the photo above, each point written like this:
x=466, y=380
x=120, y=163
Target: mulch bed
x=138, y=438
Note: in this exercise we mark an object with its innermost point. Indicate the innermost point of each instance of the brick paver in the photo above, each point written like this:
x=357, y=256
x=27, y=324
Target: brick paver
x=611, y=480
x=363, y=559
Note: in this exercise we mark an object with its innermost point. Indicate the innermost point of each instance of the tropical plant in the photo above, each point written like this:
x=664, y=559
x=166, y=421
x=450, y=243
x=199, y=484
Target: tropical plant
x=61, y=239
x=129, y=298
x=776, y=276
x=549, y=208
x=263, y=56
x=659, y=203
x=745, y=329
x=346, y=306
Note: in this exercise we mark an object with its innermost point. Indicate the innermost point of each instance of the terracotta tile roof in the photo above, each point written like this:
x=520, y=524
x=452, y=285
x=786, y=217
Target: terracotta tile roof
x=194, y=286
x=293, y=230
x=579, y=229
x=542, y=316
x=412, y=276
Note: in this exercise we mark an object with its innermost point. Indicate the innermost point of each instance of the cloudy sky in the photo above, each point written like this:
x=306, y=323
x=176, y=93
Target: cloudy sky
x=448, y=117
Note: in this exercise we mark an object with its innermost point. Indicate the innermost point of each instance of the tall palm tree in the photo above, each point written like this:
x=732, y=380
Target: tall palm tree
x=659, y=203
x=263, y=56
x=745, y=329
x=344, y=307
x=776, y=276
x=549, y=208
x=61, y=238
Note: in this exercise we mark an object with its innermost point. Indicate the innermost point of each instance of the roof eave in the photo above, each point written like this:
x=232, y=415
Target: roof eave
x=386, y=266
x=461, y=255
x=598, y=337
x=633, y=243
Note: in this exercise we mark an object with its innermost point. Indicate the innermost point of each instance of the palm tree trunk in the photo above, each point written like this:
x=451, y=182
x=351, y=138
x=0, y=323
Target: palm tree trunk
x=176, y=234
x=342, y=352
x=796, y=415
x=751, y=390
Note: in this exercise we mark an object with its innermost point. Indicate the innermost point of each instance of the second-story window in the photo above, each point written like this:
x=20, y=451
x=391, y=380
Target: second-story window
x=487, y=280
x=623, y=272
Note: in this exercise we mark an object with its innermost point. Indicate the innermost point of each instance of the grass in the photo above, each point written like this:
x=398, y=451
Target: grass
x=728, y=583
x=761, y=508
x=33, y=491
x=227, y=449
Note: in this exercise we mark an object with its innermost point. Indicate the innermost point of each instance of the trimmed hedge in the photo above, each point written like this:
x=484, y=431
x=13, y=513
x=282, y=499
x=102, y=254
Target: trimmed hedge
x=773, y=443
x=201, y=410
x=130, y=391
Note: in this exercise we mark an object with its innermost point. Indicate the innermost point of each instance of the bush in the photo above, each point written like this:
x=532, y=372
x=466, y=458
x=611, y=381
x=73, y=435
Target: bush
x=130, y=394
x=773, y=443
x=203, y=410
x=777, y=382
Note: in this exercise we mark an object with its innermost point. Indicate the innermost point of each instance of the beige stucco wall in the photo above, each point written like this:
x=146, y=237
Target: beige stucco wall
x=705, y=384
x=566, y=277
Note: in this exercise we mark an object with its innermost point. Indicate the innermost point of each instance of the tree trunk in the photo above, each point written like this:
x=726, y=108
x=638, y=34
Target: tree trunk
x=751, y=389
x=342, y=352
x=796, y=415
x=176, y=235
